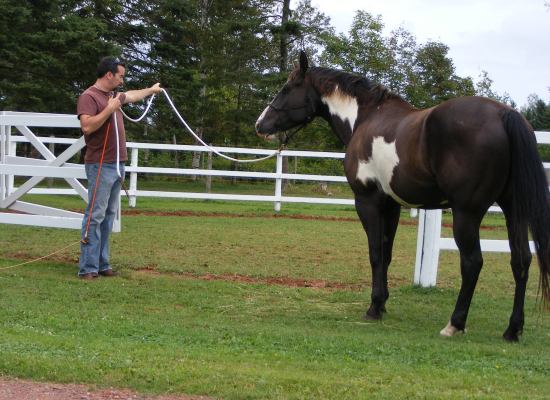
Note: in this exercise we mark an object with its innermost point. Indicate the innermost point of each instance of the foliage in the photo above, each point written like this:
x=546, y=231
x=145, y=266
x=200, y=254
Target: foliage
x=46, y=48
x=435, y=79
x=220, y=61
x=537, y=113
x=424, y=75
x=484, y=87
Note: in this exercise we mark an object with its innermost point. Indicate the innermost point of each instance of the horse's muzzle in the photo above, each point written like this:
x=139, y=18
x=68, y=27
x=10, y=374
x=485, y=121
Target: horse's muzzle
x=267, y=136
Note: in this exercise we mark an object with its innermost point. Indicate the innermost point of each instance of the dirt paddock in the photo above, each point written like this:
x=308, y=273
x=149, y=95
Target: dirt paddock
x=21, y=389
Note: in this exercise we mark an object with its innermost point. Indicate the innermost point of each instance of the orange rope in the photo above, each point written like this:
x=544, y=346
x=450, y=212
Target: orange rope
x=85, y=238
x=40, y=258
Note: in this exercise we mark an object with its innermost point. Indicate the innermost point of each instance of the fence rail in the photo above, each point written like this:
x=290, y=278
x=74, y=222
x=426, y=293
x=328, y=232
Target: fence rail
x=20, y=165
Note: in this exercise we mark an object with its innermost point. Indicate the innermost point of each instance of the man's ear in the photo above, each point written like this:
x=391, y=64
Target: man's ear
x=303, y=62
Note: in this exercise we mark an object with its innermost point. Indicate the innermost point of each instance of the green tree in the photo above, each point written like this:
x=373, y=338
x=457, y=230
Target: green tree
x=364, y=51
x=48, y=53
x=537, y=113
x=435, y=79
x=484, y=87
x=424, y=75
x=313, y=27
x=402, y=47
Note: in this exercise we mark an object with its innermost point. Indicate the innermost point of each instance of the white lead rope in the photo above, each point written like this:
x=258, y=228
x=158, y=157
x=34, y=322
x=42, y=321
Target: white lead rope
x=192, y=132
x=117, y=147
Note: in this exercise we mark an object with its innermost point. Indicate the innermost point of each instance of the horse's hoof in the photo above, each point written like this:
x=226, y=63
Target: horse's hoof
x=512, y=337
x=450, y=331
x=372, y=316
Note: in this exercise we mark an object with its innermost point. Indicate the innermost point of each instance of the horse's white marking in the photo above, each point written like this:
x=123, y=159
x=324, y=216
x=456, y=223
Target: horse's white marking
x=262, y=115
x=450, y=330
x=380, y=166
x=343, y=106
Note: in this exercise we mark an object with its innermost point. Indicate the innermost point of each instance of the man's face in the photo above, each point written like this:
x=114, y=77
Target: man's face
x=116, y=80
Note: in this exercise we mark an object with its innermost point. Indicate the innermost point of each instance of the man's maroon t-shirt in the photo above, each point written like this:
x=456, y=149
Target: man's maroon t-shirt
x=91, y=102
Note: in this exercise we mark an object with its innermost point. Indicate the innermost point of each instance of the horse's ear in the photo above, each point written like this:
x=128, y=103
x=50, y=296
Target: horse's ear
x=303, y=62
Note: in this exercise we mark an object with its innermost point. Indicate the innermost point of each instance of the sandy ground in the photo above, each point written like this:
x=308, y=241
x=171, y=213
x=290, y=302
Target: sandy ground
x=20, y=389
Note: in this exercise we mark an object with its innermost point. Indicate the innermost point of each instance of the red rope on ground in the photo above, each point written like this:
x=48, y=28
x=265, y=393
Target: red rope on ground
x=85, y=238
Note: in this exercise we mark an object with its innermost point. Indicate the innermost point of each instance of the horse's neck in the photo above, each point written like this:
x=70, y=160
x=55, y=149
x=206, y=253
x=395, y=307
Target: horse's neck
x=345, y=113
x=341, y=130
x=341, y=112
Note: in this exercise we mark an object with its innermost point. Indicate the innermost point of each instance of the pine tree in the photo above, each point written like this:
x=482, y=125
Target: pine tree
x=48, y=54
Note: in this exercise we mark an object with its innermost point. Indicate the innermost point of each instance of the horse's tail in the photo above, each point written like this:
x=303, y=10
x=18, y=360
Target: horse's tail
x=530, y=191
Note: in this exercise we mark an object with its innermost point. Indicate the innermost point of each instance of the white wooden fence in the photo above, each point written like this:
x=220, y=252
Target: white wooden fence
x=38, y=169
x=50, y=166
x=429, y=242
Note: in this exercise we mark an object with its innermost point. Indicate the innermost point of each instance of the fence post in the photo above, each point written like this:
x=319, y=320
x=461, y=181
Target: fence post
x=117, y=224
x=427, y=247
x=12, y=151
x=51, y=147
x=133, y=178
x=209, y=177
x=2, y=161
x=278, y=182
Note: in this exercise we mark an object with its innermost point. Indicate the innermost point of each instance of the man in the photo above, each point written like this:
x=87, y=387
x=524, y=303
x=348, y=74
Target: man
x=96, y=109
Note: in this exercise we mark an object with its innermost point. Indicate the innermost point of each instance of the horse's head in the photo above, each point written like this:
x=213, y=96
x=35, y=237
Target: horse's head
x=293, y=106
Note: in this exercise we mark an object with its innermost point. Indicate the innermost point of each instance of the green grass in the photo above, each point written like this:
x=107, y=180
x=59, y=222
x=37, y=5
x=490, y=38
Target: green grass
x=178, y=333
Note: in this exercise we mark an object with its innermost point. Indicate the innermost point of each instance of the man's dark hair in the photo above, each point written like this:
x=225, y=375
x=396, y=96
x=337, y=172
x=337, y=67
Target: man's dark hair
x=108, y=64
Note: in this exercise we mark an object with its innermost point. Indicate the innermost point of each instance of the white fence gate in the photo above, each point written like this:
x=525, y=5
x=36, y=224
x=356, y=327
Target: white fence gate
x=38, y=169
x=429, y=242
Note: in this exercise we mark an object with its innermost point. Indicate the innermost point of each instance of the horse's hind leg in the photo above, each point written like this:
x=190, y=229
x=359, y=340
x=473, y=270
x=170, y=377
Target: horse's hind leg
x=466, y=233
x=380, y=217
x=520, y=262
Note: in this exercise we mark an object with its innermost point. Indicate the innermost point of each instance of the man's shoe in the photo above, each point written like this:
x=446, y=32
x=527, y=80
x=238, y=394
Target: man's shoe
x=89, y=276
x=108, y=273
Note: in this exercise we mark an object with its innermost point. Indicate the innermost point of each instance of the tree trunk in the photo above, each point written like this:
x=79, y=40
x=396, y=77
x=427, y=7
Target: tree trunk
x=283, y=43
x=283, y=64
x=204, y=6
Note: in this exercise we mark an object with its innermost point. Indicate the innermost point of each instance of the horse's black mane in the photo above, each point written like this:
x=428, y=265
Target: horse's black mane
x=360, y=87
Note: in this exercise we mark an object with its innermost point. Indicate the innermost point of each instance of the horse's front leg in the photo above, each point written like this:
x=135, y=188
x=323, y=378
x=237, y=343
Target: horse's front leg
x=379, y=217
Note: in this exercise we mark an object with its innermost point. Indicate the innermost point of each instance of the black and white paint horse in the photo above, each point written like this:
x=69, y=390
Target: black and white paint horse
x=465, y=154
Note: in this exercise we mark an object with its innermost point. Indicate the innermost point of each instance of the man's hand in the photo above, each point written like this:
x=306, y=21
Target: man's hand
x=137, y=95
x=156, y=88
x=114, y=103
x=91, y=123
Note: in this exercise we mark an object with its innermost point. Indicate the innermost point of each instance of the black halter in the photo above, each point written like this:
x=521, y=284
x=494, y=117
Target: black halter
x=270, y=105
x=309, y=104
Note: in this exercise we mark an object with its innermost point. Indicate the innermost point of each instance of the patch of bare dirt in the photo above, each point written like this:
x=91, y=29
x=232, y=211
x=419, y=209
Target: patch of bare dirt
x=278, y=281
x=21, y=389
x=185, y=213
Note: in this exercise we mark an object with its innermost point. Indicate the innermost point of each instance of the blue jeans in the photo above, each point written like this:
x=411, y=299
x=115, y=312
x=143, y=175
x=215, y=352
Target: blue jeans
x=94, y=256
